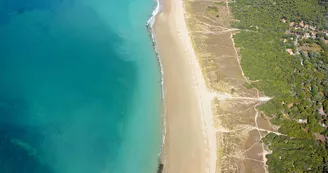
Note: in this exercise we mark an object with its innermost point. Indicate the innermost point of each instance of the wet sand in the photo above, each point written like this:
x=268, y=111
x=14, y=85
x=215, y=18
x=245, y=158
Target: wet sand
x=190, y=142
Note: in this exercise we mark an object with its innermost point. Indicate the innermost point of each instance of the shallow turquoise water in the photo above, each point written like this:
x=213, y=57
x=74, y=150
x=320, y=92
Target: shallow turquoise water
x=79, y=87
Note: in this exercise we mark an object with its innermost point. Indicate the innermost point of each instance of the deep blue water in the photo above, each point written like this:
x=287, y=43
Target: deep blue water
x=79, y=87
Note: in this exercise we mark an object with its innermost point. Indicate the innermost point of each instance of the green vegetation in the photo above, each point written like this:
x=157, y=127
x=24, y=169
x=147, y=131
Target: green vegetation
x=298, y=83
x=323, y=45
x=295, y=155
x=213, y=9
x=220, y=3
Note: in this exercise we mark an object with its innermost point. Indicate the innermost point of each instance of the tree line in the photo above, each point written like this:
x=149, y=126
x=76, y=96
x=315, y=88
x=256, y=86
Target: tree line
x=298, y=83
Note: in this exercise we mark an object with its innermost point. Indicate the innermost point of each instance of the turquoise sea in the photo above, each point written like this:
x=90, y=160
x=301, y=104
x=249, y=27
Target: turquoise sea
x=79, y=87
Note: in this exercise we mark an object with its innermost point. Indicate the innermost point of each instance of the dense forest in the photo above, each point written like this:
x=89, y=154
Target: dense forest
x=297, y=83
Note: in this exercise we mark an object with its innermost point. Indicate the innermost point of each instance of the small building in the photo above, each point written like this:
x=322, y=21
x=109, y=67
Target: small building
x=312, y=28
x=291, y=23
x=307, y=35
x=283, y=20
x=290, y=105
x=288, y=32
x=297, y=27
x=290, y=51
x=313, y=34
x=306, y=26
x=320, y=137
x=302, y=121
x=322, y=112
x=302, y=24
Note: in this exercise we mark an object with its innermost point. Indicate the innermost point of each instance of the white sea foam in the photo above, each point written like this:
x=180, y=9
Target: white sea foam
x=150, y=24
x=157, y=9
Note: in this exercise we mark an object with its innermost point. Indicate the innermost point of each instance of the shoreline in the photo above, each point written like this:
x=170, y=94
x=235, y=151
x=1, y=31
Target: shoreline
x=204, y=98
x=151, y=31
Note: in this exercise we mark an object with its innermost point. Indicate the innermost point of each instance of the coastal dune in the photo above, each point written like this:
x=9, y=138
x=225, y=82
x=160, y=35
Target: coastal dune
x=190, y=142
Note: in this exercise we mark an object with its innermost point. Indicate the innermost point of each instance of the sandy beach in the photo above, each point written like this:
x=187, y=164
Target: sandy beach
x=190, y=141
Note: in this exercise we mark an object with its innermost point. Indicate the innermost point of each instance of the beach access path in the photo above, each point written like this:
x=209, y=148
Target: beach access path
x=190, y=142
